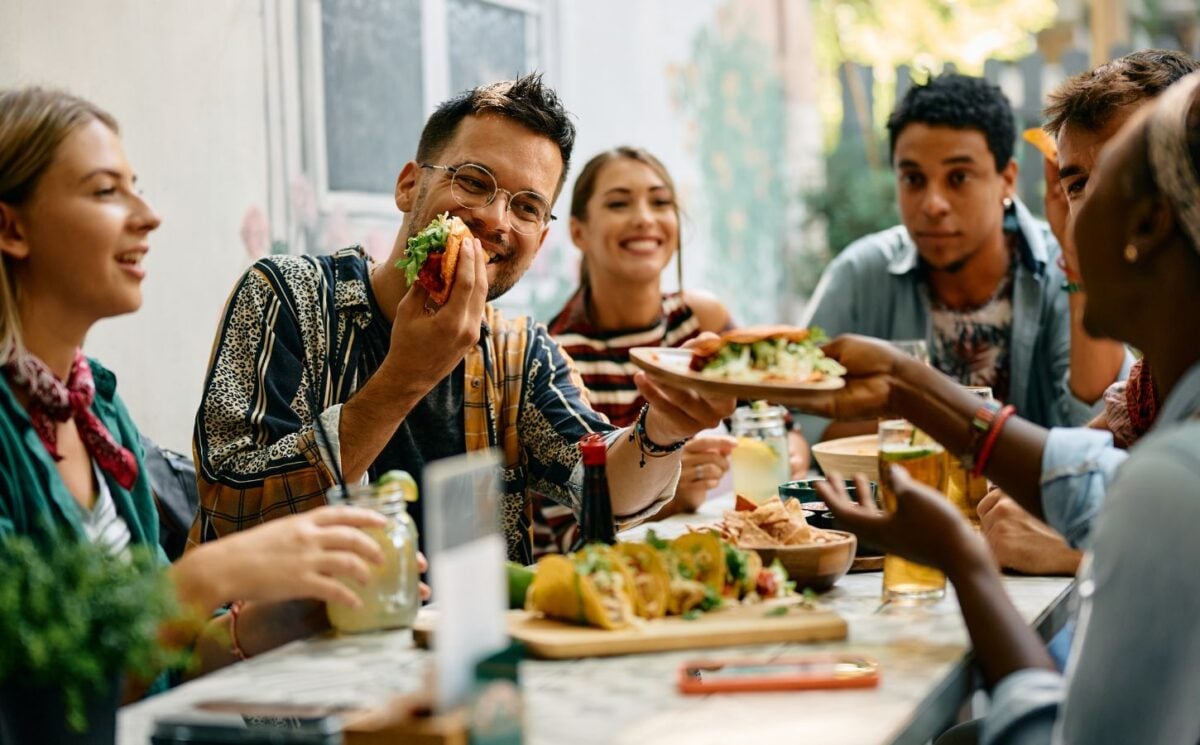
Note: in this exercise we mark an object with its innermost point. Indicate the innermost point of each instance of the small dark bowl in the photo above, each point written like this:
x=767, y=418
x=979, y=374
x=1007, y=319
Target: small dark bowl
x=818, y=514
x=805, y=491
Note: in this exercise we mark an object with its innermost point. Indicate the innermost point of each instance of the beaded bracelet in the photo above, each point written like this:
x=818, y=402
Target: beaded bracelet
x=637, y=433
x=234, y=645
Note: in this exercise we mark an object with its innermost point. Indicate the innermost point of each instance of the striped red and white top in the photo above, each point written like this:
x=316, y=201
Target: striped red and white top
x=602, y=358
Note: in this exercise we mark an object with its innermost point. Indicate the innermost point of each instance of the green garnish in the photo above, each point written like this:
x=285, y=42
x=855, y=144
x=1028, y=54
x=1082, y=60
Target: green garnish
x=779, y=610
x=692, y=615
x=432, y=237
x=654, y=541
x=711, y=599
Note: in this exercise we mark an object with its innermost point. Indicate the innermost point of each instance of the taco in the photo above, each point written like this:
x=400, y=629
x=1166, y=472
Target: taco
x=701, y=558
x=651, y=581
x=432, y=256
x=766, y=354
x=591, y=586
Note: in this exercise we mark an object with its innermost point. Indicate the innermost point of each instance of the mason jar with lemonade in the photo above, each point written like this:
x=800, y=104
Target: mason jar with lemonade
x=392, y=597
x=760, y=461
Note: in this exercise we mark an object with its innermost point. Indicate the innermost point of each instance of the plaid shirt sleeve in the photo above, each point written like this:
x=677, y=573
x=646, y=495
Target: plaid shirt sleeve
x=254, y=444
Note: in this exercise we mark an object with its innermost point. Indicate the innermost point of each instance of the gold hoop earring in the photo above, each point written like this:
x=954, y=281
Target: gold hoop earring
x=1131, y=253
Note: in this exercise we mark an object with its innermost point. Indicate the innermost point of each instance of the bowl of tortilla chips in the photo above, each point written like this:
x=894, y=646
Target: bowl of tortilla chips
x=776, y=529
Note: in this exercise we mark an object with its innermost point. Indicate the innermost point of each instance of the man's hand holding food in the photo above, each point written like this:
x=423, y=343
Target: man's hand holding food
x=429, y=341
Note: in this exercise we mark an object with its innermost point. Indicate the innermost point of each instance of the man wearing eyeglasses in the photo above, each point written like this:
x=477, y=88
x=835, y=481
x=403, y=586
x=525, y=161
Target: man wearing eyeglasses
x=397, y=382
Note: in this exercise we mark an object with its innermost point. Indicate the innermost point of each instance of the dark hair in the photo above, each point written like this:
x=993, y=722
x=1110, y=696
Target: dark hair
x=526, y=100
x=961, y=102
x=1140, y=178
x=585, y=186
x=1091, y=99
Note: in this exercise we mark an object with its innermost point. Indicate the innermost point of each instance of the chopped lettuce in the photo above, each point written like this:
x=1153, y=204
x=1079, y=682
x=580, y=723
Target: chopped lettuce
x=774, y=359
x=432, y=237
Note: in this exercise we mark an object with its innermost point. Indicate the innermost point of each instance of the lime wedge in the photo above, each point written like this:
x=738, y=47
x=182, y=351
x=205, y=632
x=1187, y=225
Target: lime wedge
x=519, y=579
x=396, y=478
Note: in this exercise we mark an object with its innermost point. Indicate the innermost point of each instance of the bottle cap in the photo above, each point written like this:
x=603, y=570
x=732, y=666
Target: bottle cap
x=593, y=449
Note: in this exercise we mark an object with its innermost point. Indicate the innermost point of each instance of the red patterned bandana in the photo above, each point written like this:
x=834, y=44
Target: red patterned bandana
x=1141, y=398
x=52, y=401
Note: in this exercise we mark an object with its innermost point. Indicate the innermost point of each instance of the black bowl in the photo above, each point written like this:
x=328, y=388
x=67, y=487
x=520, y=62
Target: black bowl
x=818, y=514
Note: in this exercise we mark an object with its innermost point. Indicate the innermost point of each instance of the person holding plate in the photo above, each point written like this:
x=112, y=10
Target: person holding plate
x=625, y=220
x=1138, y=233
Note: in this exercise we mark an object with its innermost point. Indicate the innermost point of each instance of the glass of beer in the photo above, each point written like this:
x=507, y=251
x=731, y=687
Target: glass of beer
x=965, y=489
x=925, y=460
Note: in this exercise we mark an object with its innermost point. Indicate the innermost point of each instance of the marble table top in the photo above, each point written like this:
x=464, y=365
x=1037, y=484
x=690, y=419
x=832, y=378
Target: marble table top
x=924, y=656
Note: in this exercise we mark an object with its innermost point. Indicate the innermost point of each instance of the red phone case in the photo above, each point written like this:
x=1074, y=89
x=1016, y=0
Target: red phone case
x=864, y=675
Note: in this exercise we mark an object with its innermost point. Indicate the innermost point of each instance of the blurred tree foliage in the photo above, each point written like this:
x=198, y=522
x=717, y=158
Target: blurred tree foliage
x=859, y=194
x=856, y=198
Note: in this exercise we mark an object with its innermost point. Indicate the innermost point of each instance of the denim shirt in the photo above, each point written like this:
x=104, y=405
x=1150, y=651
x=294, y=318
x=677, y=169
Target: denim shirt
x=1134, y=670
x=875, y=288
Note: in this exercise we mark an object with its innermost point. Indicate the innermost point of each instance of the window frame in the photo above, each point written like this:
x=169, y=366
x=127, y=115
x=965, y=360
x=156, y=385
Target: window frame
x=299, y=94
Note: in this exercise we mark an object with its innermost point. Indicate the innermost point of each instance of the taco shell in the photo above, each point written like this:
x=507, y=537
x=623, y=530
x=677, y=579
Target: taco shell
x=651, y=581
x=701, y=558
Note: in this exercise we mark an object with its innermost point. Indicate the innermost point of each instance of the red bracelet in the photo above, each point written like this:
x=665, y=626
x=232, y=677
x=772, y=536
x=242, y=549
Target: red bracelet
x=1071, y=276
x=234, y=645
x=993, y=435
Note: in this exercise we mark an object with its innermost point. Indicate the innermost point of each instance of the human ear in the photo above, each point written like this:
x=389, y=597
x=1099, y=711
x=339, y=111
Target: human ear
x=576, y=228
x=12, y=233
x=1009, y=175
x=406, y=186
x=1152, y=224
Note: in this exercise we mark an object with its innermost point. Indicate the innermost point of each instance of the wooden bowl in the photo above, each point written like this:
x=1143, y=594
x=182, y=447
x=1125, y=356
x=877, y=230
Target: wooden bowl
x=814, y=565
x=849, y=455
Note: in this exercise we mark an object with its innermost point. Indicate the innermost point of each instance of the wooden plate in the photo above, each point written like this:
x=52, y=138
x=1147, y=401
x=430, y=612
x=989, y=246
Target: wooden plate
x=670, y=364
x=733, y=625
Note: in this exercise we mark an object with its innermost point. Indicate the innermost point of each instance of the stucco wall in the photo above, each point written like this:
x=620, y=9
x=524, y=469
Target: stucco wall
x=185, y=81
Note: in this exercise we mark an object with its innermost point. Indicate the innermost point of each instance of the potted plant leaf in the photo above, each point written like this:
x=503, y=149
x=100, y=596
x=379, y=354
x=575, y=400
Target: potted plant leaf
x=75, y=619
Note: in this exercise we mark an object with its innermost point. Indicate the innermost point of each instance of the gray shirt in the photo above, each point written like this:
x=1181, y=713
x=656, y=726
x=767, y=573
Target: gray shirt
x=1134, y=671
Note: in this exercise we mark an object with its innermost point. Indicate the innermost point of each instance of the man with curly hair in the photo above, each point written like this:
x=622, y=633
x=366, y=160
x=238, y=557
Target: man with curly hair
x=970, y=271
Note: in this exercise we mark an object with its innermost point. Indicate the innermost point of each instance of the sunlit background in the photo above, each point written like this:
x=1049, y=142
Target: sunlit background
x=278, y=126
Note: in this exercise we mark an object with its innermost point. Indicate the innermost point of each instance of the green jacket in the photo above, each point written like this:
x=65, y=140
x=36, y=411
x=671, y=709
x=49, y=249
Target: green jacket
x=34, y=501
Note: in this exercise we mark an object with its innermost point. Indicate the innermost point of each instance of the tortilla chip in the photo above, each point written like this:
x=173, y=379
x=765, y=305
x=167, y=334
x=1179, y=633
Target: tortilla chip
x=1042, y=140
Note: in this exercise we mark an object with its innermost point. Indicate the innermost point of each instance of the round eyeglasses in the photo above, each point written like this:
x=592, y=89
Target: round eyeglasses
x=474, y=187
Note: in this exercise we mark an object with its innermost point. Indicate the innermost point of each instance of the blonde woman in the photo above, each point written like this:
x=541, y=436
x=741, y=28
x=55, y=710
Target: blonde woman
x=74, y=231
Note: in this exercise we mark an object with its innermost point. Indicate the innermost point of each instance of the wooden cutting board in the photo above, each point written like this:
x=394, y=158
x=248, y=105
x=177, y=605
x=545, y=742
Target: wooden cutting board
x=735, y=625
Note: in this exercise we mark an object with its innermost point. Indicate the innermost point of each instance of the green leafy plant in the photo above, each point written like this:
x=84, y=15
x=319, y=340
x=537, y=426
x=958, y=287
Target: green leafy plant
x=73, y=617
x=857, y=200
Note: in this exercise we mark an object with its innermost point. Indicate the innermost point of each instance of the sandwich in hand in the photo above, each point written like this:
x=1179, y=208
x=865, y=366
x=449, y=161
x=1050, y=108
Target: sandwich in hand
x=780, y=354
x=432, y=256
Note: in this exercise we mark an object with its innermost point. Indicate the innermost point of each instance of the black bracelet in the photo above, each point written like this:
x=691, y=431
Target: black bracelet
x=637, y=433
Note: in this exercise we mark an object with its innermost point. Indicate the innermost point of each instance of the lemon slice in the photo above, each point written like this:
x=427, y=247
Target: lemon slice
x=750, y=449
x=399, y=479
